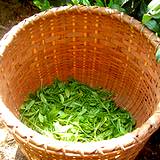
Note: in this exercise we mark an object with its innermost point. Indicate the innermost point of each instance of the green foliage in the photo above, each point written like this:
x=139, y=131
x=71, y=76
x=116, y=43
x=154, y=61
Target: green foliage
x=135, y=8
x=101, y=3
x=152, y=18
x=75, y=112
x=117, y=4
x=153, y=25
x=42, y=4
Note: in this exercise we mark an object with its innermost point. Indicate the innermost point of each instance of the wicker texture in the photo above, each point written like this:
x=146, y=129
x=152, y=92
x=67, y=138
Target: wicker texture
x=98, y=46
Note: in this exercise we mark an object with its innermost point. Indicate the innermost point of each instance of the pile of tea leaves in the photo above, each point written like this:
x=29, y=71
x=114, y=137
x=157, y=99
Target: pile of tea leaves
x=72, y=111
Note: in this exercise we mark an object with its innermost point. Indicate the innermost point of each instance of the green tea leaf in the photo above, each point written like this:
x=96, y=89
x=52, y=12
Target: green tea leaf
x=61, y=98
x=75, y=112
x=43, y=99
x=67, y=93
x=41, y=117
x=29, y=105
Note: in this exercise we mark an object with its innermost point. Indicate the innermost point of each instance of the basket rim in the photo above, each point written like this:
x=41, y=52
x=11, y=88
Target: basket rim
x=30, y=137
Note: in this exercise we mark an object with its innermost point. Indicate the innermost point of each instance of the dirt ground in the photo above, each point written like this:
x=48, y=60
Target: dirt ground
x=8, y=148
x=11, y=13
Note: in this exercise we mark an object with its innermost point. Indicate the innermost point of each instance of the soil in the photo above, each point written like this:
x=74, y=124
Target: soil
x=12, y=12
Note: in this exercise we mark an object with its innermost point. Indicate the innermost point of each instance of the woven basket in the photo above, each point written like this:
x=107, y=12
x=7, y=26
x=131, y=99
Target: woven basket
x=97, y=46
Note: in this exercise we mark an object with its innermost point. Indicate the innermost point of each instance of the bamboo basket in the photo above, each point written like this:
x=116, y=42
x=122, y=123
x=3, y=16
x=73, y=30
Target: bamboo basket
x=97, y=46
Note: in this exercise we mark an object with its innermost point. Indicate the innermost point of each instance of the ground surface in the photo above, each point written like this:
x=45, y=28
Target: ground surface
x=10, y=14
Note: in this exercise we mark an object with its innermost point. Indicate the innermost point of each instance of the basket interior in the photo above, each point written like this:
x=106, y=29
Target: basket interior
x=99, y=50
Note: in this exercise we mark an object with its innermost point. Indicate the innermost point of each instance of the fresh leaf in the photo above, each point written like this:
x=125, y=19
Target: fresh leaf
x=42, y=4
x=118, y=7
x=100, y=3
x=158, y=55
x=28, y=106
x=86, y=2
x=72, y=111
x=154, y=5
x=152, y=17
x=153, y=25
x=76, y=2
x=43, y=99
x=67, y=93
x=61, y=98
x=146, y=18
x=156, y=15
x=41, y=117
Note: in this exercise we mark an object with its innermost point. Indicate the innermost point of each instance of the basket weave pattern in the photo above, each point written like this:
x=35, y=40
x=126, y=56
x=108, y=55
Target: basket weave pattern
x=98, y=46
